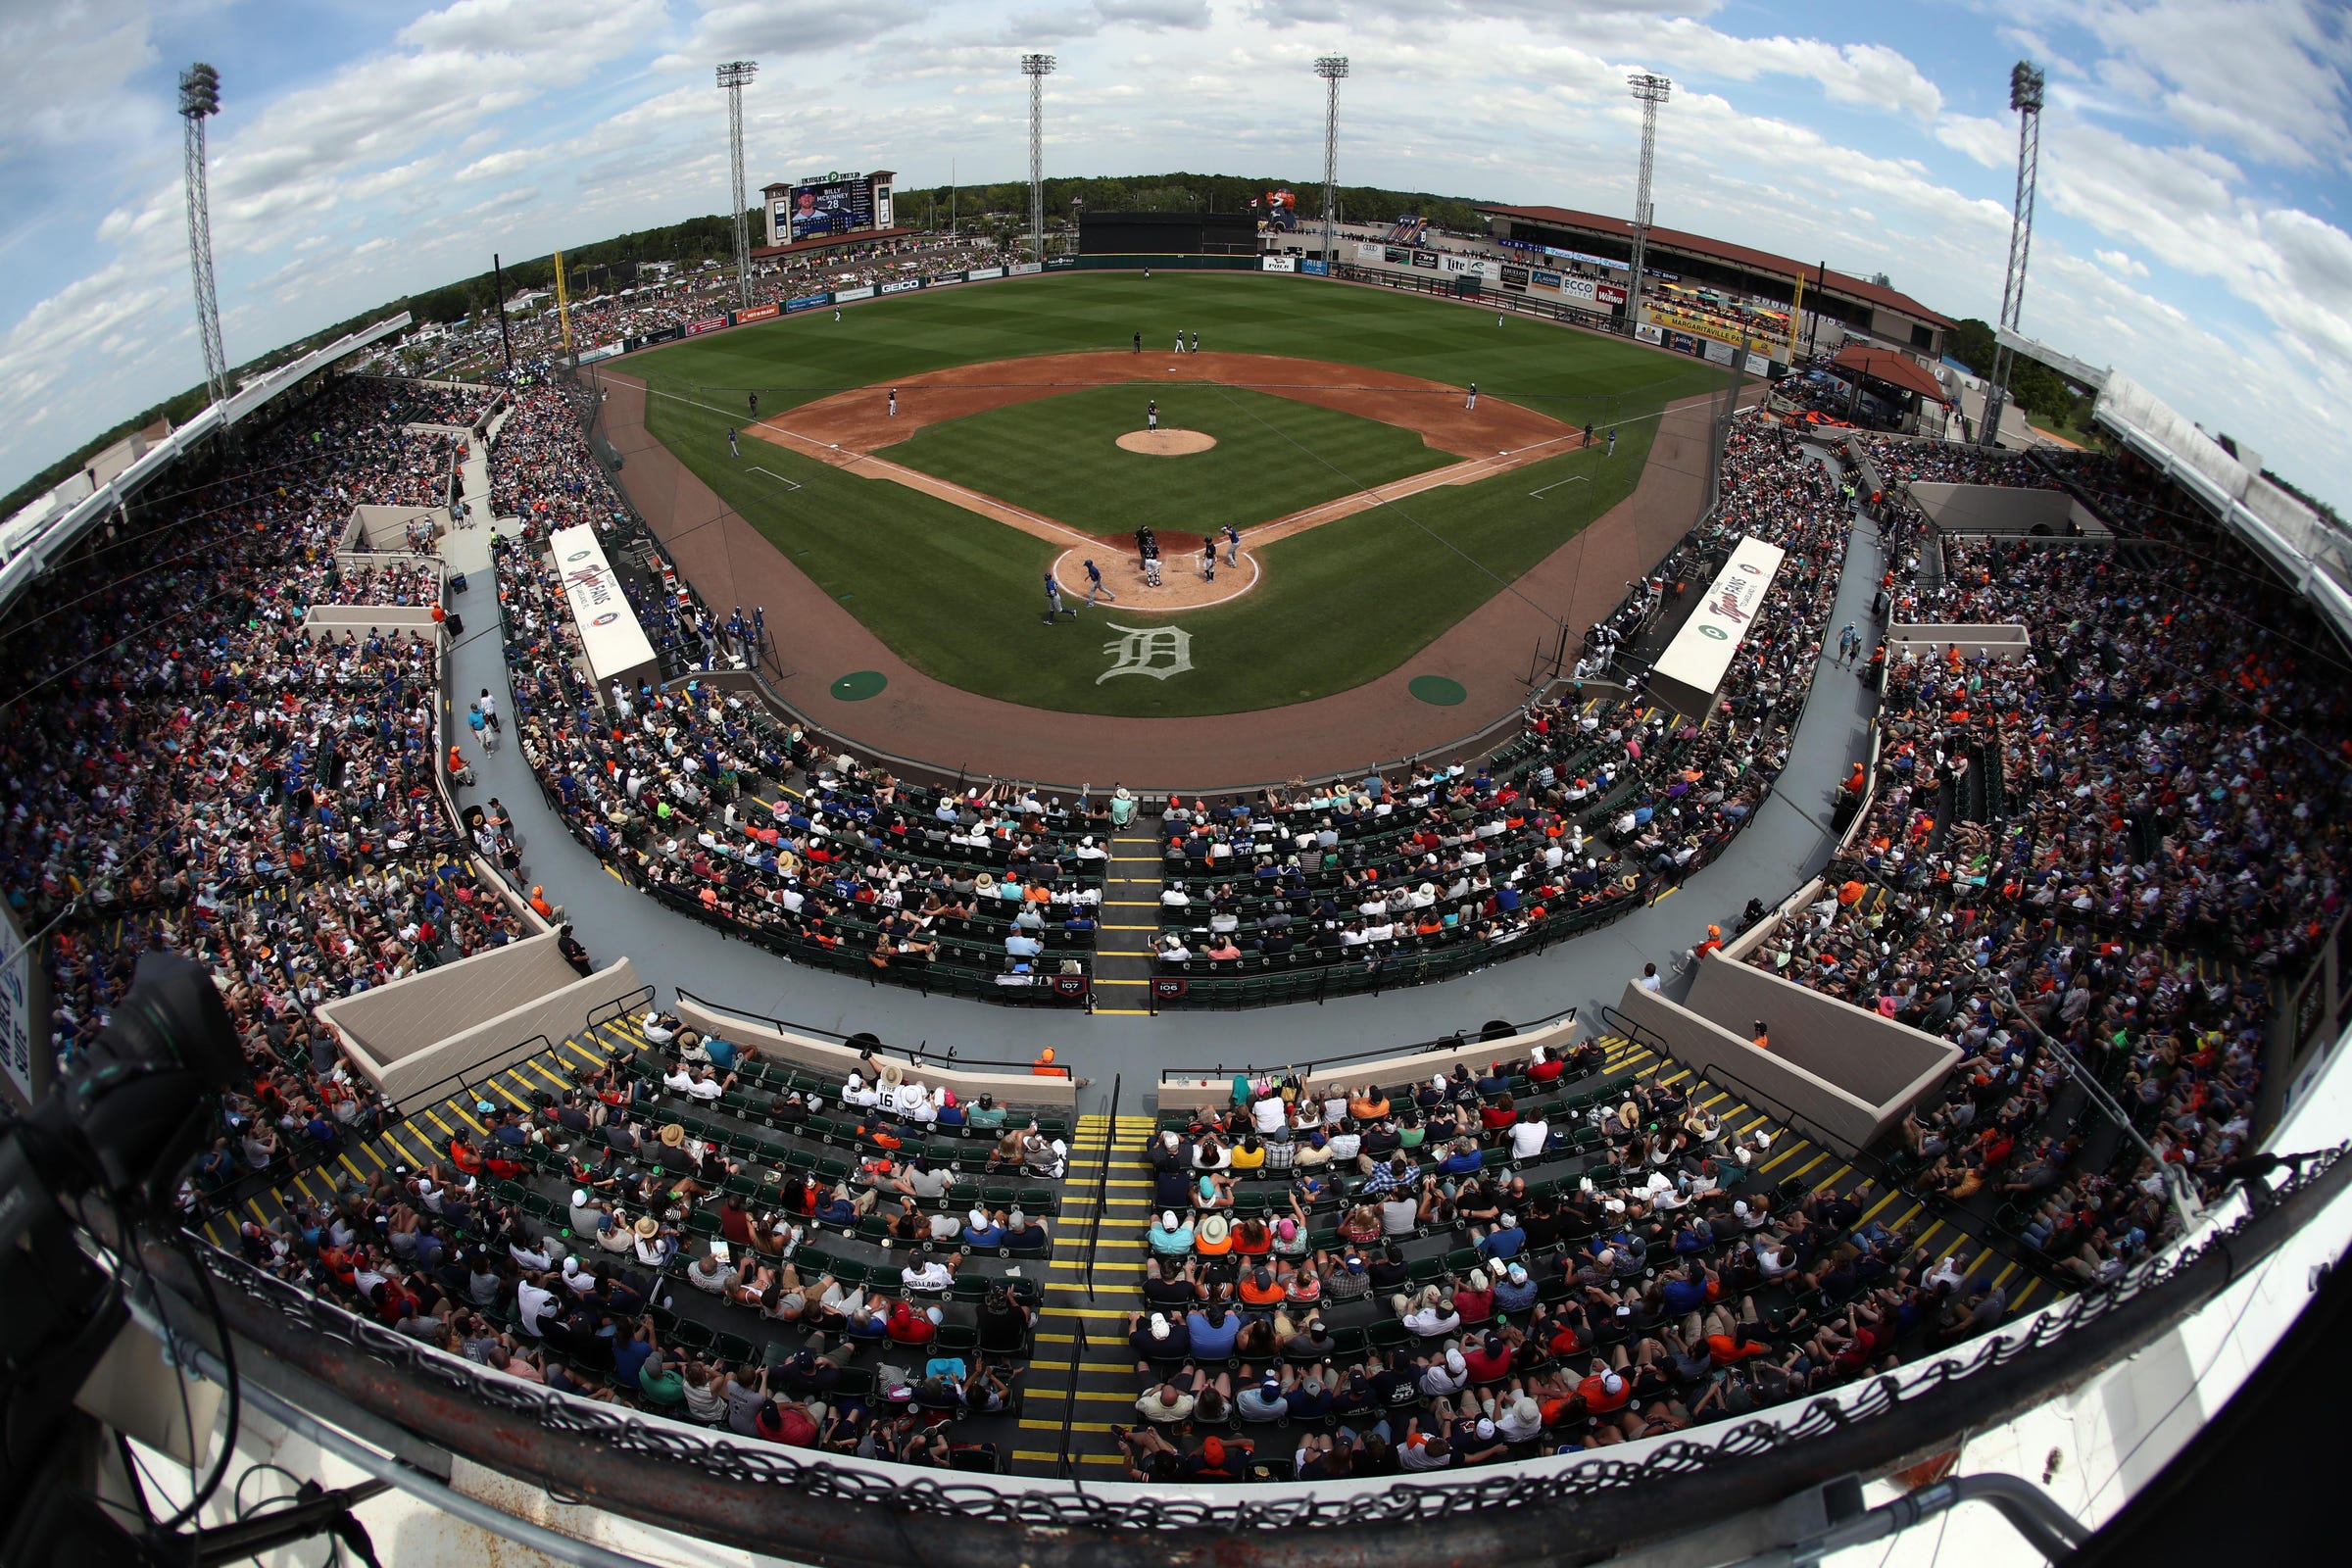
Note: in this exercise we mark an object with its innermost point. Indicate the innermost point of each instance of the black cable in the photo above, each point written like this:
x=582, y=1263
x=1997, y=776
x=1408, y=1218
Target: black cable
x=236, y=1399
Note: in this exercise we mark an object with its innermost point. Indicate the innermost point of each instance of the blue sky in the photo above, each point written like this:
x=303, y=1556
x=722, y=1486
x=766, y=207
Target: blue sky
x=2194, y=196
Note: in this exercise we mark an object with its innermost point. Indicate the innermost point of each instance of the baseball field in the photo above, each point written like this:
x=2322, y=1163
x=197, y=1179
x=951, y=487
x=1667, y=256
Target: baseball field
x=1376, y=509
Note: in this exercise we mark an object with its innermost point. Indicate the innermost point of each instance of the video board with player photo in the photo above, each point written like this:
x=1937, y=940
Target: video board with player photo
x=843, y=204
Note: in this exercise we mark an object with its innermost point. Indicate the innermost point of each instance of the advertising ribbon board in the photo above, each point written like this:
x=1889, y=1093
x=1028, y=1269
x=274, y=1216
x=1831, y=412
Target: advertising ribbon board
x=757, y=313
x=1426, y=258
x=807, y=302
x=1024, y=270
x=1648, y=333
x=709, y=323
x=864, y=291
x=1372, y=253
x=1608, y=293
x=1690, y=671
x=1543, y=279
x=1315, y=268
x=1758, y=365
x=980, y=274
x=1061, y=264
x=1278, y=264
x=904, y=285
x=1398, y=256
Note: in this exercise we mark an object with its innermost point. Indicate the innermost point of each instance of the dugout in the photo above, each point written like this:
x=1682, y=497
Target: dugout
x=1167, y=234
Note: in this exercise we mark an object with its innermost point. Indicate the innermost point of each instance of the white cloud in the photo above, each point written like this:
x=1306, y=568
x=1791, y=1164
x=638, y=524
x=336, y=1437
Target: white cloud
x=2171, y=242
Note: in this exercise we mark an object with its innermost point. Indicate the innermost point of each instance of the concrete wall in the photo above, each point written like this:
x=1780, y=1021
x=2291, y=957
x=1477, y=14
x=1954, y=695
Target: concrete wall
x=493, y=1042
x=1829, y=1114
x=836, y=1059
x=1387, y=1072
x=1998, y=508
x=1874, y=1058
x=2006, y=642
x=414, y=621
x=396, y=1022
x=383, y=530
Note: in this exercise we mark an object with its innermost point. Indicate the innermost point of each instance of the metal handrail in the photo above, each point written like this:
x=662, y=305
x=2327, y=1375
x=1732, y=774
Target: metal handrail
x=916, y=1055
x=1110, y=1138
x=1872, y=1167
x=1070, y=1406
x=620, y=1007
x=1453, y=1042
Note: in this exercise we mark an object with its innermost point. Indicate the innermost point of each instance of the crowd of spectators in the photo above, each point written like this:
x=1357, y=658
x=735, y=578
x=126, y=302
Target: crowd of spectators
x=1901, y=463
x=1495, y=1263
x=190, y=770
x=2129, y=831
x=1593, y=804
x=409, y=584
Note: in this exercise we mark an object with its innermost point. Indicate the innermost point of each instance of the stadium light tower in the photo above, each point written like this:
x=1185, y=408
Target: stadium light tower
x=1331, y=68
x=1036, y=67
x=2024, y=96
x=199, y=101
x=1652, y=91
x=731, y=77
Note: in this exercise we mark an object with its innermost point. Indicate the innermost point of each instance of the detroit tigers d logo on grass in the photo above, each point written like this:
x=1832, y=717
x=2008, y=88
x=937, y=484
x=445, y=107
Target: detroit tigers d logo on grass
x=1154, y=651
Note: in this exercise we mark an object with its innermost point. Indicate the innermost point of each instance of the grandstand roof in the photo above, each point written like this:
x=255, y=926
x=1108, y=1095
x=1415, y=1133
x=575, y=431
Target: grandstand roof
x=1736, y=255
x=1895, y=370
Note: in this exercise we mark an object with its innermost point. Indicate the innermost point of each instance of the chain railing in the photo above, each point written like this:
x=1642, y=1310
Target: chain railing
x=269, y=1307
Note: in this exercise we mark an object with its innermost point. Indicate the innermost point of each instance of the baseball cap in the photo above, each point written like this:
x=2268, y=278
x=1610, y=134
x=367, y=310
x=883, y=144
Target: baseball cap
x=1212, y=1449
x=1486, y=1428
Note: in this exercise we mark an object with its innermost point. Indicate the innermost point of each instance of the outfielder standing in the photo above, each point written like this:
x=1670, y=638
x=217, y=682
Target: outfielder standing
x=893, y=402
x=1471, y=402
x=1612, y=452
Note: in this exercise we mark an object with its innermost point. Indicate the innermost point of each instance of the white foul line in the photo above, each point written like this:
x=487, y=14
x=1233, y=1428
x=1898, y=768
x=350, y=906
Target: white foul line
x=1571, y=479
x=789, y=485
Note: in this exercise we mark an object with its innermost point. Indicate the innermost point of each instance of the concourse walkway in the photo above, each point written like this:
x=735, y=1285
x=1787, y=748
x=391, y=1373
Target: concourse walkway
x=1787, y=841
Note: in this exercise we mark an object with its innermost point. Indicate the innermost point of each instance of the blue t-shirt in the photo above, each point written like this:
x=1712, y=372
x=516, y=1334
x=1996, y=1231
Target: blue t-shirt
x=722, y=1052
x=629, y=1357
x=1684, y=1295
x=1213, y=1343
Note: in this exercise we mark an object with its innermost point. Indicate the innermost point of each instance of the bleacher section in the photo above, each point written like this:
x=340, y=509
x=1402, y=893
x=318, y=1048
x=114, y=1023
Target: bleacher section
x=805, y=1224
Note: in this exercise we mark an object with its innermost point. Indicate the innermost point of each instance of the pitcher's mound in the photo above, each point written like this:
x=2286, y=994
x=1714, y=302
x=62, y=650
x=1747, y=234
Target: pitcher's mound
x=1166, y=443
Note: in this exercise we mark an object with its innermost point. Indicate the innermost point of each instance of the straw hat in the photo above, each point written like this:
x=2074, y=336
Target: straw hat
x=647, y=1227
x=673, y=1135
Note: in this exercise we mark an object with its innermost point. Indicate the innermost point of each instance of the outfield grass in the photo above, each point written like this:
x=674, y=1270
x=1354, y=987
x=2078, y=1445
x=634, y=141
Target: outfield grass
x=959, y=597
x=1059, y=456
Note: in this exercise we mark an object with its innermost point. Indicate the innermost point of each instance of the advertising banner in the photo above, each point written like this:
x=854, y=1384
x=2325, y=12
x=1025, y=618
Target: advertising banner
x=979, y=274
x=864, y=291
x=1648, y=333
x=1427, y=259
x=603, y=350
x=1578, y=289
x=1539, y=279
x=709, y=323
x=1023, y=269
x=1373, y=253
x=1758, y=365
x=1400, y=256
x=757, y=313
x=1710, y=326
x=807, y=302
x=837, y=204
x=1692, y=667
x=901, y=286
x=1514, y=277
x=1315, y=268
x=1718, y=353
x=667, y=334
x=1278, y=264
x=16, y=1019
x=943, y=280
x=1608, y=293
x=1061, y=264
x=610, y=640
